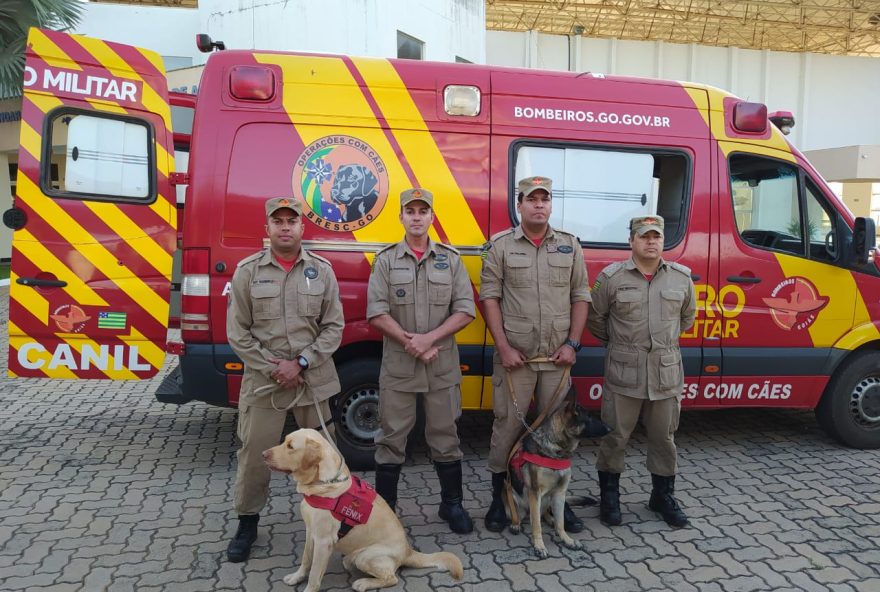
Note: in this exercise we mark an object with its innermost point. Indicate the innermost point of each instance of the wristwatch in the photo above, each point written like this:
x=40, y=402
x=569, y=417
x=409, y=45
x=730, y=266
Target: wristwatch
x=575, y=345
x=303, y=362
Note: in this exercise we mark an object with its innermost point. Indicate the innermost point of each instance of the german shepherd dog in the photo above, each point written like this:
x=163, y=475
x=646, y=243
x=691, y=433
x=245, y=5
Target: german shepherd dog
x=544, y=487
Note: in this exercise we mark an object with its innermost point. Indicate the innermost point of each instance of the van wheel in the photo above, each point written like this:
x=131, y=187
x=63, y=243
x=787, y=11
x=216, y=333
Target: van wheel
x=356, y=412
x=849, y=410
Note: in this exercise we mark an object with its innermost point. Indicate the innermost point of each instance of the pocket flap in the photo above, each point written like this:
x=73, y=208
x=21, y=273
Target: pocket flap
x=624, y=357
x=676, y=295
x=672, y=359
x=267, y=290
x=561, y=323
x=628, y=295
x=519, y=261
x=515, y=325
x=401, y=276
x=311, y=287
x=560, y=259
x=437, y=276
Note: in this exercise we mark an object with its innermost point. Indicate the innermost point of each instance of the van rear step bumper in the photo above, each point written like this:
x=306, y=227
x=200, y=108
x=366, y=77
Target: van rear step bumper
x=171, y=388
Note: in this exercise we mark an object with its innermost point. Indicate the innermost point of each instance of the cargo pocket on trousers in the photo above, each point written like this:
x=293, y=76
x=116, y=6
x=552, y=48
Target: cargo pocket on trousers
x=671, y=373
x=500, y=398
x=623, y=368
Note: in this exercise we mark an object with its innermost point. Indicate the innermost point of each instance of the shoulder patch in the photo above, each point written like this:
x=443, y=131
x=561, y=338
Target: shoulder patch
x=501, y=234
x=680, y=268
x=251, y=258
x=613, y=268
x=319, y=258
x=448, y=248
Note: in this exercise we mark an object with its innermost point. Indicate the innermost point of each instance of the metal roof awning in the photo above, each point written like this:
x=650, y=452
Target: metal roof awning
x=842, y=27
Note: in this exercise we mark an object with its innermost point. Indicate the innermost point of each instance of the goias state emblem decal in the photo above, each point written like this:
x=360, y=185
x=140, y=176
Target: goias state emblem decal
x=342, y=183
x=795, y=303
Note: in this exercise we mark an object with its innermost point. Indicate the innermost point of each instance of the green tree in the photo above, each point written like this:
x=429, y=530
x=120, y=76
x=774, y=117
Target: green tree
x=16, y=17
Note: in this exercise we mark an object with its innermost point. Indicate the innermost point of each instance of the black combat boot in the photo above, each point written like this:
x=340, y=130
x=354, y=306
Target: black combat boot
x=609, y=503
x=240, y=546
x=451, y=496
x=663, y=501
x=387, y=476
x=496, y=517
x=571, y=522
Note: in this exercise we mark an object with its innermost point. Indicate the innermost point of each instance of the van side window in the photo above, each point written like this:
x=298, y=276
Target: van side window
x=596, y=191
x=98, y=157
x=772, y=212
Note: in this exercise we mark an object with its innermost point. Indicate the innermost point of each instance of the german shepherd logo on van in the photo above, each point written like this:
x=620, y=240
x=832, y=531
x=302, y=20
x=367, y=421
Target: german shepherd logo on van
x=795, y=303
x=342, y=181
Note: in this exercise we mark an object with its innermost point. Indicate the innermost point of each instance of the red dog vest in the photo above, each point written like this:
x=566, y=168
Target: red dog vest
x=522, y=457
x=352, y=508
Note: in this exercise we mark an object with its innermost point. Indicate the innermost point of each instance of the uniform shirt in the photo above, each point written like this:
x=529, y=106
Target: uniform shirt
x=420, y=294
x=278, y=314
x=640, y=323
x=536, y=287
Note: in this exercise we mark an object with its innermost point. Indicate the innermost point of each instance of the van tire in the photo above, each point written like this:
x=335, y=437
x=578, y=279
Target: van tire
x=356, y=414
x=849, y=411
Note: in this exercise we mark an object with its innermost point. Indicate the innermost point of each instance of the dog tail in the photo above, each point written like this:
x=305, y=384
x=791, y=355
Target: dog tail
x=444, y=559
x=581, y=500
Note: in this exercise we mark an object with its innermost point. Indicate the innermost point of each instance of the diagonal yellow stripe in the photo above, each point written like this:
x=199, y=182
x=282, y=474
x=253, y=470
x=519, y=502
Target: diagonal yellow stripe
x=30, y=140
x=134, y=235
x=95, y=253
x=152, y=353
x=29, y=299
x=18, y=338
x=43, y=259
x=420, y=150
x=117, y=66
x=49, y=52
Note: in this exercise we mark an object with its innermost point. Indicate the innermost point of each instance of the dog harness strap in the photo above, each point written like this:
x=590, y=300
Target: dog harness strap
x=522, y=457
x=352, y=508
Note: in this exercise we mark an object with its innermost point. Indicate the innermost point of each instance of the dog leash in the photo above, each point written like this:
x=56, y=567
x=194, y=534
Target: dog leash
x=530, y=429
x=339, y=477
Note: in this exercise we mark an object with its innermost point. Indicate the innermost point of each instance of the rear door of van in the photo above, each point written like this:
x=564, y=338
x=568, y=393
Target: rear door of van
x=94, y=212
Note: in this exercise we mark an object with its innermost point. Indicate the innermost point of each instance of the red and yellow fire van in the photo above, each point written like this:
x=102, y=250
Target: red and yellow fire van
x=789, y=294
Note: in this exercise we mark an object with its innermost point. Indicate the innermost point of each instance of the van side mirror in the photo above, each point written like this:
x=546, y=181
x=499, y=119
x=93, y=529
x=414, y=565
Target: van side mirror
x=864, y=240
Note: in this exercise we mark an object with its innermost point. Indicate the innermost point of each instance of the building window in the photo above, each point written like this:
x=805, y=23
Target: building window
x=409, y=48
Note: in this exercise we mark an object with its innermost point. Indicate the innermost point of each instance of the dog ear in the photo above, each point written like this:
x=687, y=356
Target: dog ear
x=309, y=463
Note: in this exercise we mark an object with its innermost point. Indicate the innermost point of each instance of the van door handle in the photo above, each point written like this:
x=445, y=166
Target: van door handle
x=741, y=279
x=36, y=282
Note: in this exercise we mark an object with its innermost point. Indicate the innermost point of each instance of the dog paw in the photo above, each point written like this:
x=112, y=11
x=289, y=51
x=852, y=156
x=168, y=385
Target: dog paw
x=294, y=578
x=573, y=545
x=515, y=528
x=542, y=553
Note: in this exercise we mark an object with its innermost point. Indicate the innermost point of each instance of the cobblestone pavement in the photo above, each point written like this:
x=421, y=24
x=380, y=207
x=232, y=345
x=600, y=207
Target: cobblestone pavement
x=103, y=488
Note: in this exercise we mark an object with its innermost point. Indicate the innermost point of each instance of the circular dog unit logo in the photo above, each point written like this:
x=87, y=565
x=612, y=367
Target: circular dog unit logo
x=342, y=182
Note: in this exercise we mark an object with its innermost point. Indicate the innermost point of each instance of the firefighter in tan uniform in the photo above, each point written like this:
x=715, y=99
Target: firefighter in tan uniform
x=639, y=309
x=284, y=322
x=535, y=292
x=419, y=297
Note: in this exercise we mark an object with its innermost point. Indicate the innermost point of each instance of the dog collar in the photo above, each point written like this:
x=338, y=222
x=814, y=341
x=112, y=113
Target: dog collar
x=352, y=508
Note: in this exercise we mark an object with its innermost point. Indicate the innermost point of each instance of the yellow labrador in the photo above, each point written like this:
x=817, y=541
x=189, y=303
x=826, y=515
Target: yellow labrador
x=377, y=547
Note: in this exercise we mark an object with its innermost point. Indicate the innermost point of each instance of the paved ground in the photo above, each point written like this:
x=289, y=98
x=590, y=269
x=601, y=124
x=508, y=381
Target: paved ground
x=103, y=488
